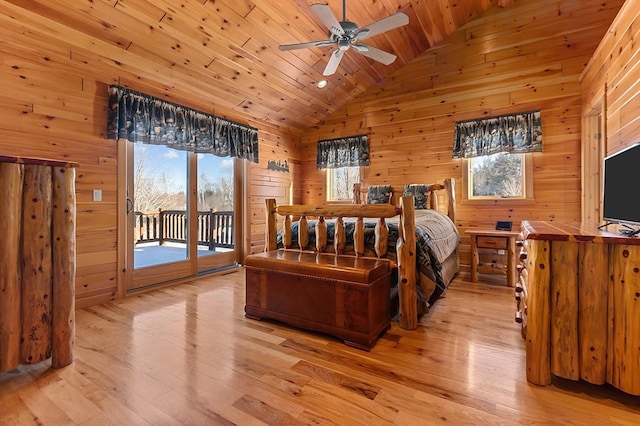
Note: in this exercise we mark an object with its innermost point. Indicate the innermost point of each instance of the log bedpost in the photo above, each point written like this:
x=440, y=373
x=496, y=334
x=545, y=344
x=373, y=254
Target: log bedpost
x=450, y=189
x=406, y=251
x=64, y=266
x=11, y=178
x=272, y=226
x=357, y=195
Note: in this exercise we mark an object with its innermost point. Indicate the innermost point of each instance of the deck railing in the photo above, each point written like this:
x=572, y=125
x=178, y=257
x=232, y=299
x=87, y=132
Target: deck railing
x=215, y=228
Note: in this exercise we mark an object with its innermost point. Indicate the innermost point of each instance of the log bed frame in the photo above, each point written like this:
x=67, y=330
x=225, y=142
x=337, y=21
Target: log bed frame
x=406, y=253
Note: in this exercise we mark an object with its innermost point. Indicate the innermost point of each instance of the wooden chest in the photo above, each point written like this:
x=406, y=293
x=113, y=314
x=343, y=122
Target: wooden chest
x=344, y=296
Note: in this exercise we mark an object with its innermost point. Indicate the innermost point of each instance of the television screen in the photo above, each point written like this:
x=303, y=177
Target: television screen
x=621, y=203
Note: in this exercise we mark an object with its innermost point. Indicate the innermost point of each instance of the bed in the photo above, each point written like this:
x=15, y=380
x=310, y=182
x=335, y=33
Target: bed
x=436, y=239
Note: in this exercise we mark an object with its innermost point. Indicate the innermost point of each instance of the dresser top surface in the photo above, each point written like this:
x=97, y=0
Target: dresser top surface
x=576, y=232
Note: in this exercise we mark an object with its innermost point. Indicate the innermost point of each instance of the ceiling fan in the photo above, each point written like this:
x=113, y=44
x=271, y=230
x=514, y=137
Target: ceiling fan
x=345, y=34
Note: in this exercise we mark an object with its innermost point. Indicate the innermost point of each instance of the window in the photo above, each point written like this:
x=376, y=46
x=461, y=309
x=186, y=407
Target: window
x=340, y=183
x=499, y=176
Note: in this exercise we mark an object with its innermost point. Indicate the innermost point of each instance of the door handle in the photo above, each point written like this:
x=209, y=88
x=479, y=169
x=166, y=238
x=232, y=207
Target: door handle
x=129, y=205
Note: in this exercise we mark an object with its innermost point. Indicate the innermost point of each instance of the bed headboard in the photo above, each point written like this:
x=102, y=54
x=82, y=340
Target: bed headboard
x=446, y=188
x=405, y=248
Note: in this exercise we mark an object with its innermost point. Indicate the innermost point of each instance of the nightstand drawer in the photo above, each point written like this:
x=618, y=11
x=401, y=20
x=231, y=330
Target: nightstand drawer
x=492, y=242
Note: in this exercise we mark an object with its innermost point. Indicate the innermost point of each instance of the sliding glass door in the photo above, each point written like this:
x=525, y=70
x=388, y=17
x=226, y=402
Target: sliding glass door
x=181, y=213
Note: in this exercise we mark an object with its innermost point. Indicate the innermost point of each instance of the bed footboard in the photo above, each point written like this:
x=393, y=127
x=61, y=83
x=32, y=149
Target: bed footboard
x=406, y=245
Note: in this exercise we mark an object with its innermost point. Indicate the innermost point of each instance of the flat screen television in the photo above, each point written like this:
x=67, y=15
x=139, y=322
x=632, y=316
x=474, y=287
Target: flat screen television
x=621, y=203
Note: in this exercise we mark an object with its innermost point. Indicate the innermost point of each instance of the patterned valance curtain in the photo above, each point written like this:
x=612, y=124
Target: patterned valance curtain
x=343, y=152
x=142, y=118
x=515, y=133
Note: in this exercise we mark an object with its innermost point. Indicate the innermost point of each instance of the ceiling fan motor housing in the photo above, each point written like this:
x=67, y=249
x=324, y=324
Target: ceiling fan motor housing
x=344, y=41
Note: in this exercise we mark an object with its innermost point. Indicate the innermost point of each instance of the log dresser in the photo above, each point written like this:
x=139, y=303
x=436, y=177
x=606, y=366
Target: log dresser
x=579, y=304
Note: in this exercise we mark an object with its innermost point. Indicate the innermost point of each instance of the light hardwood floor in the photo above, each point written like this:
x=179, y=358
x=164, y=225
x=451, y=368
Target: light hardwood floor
x=187, y=355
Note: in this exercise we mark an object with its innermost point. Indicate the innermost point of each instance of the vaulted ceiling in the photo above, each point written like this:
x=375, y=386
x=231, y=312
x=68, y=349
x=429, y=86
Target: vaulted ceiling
x=226, y=51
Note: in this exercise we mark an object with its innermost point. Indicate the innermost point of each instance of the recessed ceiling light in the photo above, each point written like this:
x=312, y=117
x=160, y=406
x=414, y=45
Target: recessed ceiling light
x=322, y=84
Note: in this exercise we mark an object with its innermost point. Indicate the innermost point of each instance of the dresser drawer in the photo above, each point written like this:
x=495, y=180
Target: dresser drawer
x=492, y=242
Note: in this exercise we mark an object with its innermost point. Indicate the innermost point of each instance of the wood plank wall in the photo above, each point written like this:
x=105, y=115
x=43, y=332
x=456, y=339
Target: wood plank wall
x=53, y=104
x=614, y=69
x=521, y=58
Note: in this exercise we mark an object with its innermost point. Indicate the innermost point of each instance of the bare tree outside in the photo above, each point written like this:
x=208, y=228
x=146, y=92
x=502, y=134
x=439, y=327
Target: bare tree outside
x=498, y=175
x=341, y=182
x=216, y=195
x=150, y=184
x=154, y=189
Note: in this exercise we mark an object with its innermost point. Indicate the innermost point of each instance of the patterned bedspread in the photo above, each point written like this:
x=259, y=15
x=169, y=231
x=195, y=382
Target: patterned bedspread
x=436, y=239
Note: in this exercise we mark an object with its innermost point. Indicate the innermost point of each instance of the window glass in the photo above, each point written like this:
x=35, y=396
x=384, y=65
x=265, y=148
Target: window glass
x=500, y=175
x=340, y=183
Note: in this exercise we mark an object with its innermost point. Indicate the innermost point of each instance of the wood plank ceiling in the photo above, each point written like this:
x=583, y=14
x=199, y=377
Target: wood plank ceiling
x=226, y=51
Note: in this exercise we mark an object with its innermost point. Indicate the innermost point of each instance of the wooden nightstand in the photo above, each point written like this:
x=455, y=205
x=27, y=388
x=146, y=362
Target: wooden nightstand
x=496, y=240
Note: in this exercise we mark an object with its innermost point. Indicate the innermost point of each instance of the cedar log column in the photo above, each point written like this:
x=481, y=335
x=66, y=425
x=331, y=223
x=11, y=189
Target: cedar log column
x=38, y=261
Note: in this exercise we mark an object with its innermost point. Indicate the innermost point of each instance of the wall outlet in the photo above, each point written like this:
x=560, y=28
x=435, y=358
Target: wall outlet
x=502, y=252
x=97, y=195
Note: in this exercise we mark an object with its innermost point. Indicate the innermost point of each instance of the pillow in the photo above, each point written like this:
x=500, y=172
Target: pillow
x=379, y=194
x=420, y=195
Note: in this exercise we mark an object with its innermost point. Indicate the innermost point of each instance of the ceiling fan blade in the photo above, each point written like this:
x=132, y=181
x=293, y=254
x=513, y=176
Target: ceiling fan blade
x=305, y=45
x=328, y=18
x=374, y=53
x=333, y=63
x=389, y=23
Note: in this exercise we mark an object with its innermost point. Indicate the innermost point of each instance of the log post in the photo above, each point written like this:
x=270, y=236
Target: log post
x=11, y=178
x=339, y=237
x=36, y=265
x=381, y=243
x=161, y=229
x=433, y=200
x=537, y=342
x=212, y=227
x=406, y=252
x=321, y=235
x=592, y=311
x=272, y=225
x=356, y=193
x=287, y=237
x=625, y=306
x=64, y=266
x=564, y=310
x=303, y=232
x=450, y=189
x=358, y=237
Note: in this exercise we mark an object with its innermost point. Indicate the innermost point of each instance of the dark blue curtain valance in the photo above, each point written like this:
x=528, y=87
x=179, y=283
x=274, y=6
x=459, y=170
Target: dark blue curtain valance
x=515, y=133
x=142, y=118
x=343, y=152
